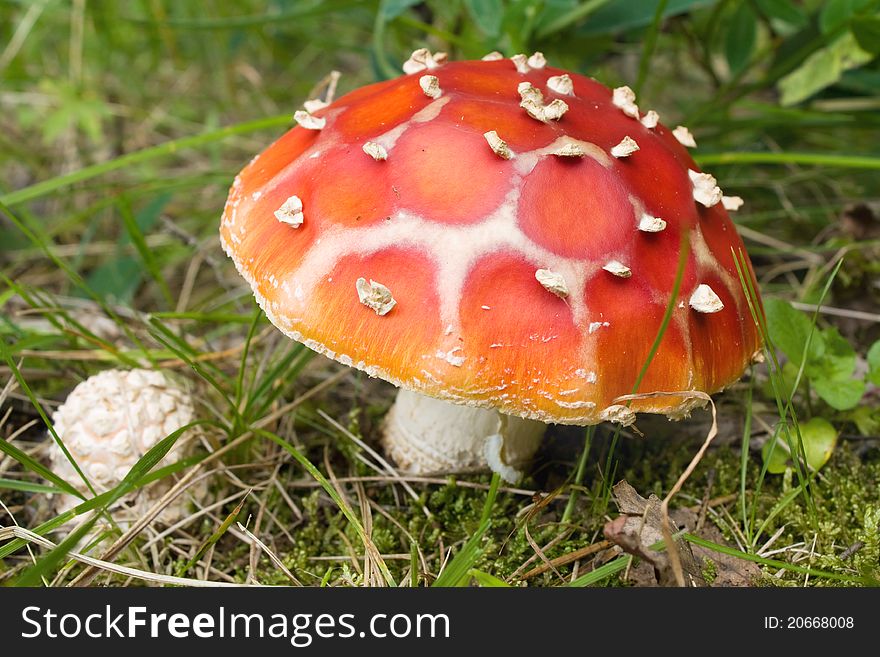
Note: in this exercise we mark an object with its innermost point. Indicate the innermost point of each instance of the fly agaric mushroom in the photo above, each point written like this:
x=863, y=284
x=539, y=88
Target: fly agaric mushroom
x=499, y=239
x=111, y=420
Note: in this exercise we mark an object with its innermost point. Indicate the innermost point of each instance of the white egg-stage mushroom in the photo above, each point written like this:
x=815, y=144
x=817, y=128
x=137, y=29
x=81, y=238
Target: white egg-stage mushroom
x=108, y=422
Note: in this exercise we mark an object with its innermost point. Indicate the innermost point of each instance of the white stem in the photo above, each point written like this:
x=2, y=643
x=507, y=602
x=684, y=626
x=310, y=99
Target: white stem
x=427, y=436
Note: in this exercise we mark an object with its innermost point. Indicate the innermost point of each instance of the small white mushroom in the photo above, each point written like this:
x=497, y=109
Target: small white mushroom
x=308, y=121
x=684, y=137
x=651, y=224
x=375, y=151
x=537, y=60
x=375, y=296
x=552, y=282
x=422, y=59
x=521, y=63
x=625, y=148
x=625, y=99
x=111, y=420
x=430, y=84
x=561, y=84
x=493, y=56
x=650, y=119
x=732, y=203
x=498, y=145
x=706, y=189
x=704, y=300
x=291, y=212
x=618, y=269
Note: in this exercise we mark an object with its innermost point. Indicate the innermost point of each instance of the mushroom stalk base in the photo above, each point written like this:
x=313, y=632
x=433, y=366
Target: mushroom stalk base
x=425, y=435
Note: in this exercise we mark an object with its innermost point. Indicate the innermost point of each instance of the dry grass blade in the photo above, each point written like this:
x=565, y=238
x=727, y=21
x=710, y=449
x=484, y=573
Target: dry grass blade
x=565, y=559
x=272, y=556
x=372, y=452
x=7, y=533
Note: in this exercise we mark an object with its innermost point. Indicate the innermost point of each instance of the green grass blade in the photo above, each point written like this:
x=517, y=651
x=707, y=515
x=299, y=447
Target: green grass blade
x=173, y=147
x=328, y=488
x=29, y=486
x=603, y=572
x=146, y=254
x=786, y=158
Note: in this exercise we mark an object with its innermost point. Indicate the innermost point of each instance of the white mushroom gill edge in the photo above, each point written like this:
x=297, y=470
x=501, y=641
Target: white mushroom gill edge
x=704, y=300
x=425, y=435
x=291, y=212
x=375, y=296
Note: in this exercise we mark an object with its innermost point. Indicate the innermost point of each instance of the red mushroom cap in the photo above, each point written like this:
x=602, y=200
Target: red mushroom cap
x=463, y=234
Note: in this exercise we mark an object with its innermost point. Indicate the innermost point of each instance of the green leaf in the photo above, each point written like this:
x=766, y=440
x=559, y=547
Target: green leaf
x=782, y=10
x=739, y=41
x=867, y=33
x=789, y=330
x=117, y=279
x=840, y=395
x=621, y=15
x=867, y=419
x=839, y=359
x=874, y=363
x=819, y=438
x=831, y=375
x=835, y=13
x=487, y=14
x=391, y=9
x=822, y=69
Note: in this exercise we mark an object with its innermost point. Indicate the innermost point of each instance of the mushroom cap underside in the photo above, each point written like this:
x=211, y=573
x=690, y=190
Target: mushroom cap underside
x=530, y=275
